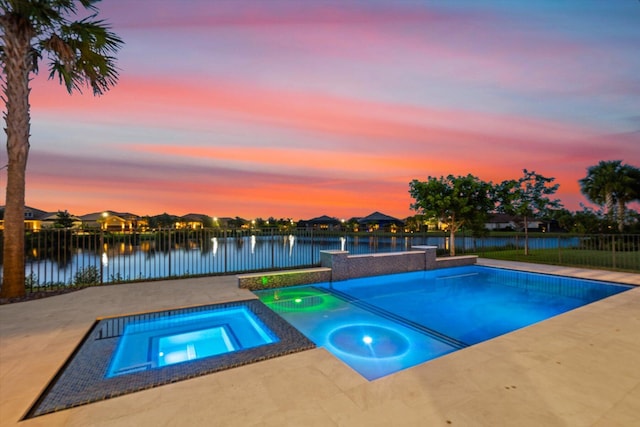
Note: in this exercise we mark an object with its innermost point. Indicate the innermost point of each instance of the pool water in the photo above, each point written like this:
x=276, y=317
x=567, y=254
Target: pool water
x=383, y=324
x=170, y=339
x=124, y=354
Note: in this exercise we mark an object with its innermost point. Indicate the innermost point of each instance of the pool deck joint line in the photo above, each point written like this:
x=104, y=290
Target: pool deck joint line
x=579, y=368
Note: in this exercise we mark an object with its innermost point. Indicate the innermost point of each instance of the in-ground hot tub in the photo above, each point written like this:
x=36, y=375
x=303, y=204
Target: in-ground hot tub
x=121, y=355
x=169, y=339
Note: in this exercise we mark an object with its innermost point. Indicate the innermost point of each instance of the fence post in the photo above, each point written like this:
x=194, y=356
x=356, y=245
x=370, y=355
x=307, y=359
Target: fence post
x=273, y=256
x=100, y=255
x=312, y=247
x=226, y=243
x=169, y=250
x=613, y=251
x=559, y=250
x=464, y=242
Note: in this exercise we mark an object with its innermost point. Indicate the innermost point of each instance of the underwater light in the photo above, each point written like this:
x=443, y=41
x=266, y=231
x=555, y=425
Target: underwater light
x=298, y=300
x=358, y=340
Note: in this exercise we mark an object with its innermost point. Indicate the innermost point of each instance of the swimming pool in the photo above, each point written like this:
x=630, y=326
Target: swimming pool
x=381, y=325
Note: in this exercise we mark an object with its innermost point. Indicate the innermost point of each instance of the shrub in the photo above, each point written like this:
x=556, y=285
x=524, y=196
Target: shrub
x=87, y=276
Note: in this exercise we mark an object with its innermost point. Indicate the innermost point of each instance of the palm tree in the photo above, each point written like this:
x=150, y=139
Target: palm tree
x=613, y=185
x=79, y=54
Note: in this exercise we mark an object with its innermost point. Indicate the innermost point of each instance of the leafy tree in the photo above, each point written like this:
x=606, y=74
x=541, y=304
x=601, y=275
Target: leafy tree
x=236, y=223
x=527, y=198
x=207, y=221
x=634, y=221
x=63, y=220
x=564, y=218
x=285, y=224
x=79, y=54
x=590, y=221
x=456, y=201
x=612, y=185
x=415, y=223
x=164, y=220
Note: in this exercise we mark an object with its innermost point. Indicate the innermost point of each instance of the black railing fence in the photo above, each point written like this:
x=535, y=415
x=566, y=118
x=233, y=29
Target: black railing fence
x=61, y=258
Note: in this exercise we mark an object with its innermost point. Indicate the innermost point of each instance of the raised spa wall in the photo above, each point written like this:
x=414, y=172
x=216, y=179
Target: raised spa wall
x=338, y=265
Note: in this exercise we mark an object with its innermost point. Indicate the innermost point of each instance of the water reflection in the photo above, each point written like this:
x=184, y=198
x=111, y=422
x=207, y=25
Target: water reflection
x=292, y=240
x=214, y=241
x=164, y=255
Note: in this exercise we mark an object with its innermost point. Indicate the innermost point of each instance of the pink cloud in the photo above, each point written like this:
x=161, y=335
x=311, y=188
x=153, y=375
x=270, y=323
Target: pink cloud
x=203, y=13
x=371, y=145
x=174, y=102
x=182, y=188
x=270, y=132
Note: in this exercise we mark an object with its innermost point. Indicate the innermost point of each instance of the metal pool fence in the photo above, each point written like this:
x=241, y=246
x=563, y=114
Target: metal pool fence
x=57, y=258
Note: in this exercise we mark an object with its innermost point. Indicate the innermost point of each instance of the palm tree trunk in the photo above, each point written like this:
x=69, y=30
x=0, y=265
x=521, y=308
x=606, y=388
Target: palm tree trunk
x=621, y=210
x=18, y=65
x=611, y=206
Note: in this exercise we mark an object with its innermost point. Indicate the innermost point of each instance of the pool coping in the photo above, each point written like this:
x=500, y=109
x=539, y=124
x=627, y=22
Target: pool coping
x=83, y=377
x=576, y=369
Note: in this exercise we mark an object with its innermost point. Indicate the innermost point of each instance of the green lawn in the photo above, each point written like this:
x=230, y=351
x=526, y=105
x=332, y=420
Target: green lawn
x=620, y=261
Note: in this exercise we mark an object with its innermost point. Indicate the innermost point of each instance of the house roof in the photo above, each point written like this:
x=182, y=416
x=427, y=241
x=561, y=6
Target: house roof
x=501, y=218
x=94, y=216
x=378, y=217
x=52, y=216
x=91, y=216
x=97, y=215
x=324, y=219
x=194, y=217
x=35, y=213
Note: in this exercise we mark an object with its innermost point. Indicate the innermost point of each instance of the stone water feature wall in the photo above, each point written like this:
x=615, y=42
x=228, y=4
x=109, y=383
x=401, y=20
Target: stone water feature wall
x=339, y=265
x=344, y=266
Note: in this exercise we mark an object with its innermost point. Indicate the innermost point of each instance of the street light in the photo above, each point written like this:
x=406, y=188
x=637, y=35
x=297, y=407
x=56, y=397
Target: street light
x=105, y=215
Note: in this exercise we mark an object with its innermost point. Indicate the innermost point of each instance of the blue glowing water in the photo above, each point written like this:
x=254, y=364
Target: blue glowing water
x=172, y=339
x=380, y=325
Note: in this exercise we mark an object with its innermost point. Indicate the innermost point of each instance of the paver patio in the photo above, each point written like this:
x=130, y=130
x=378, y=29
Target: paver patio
x=578, y=369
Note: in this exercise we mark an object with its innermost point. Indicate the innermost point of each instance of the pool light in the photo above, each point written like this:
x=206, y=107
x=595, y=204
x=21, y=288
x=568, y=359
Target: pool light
x=358, y=340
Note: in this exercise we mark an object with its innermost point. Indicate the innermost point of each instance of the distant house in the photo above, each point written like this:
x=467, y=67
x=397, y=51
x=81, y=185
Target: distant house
x=222, y=222
x=193, y=221
x=323, y=222
x=32, y=218
x=50, y=219
x=37, y=219
x=504, y=222
x=113, y=221
x=235, y=223
x=379, y=221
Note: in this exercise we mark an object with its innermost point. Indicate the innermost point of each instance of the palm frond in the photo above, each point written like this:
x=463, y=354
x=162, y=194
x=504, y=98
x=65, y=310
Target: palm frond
x=81, y=55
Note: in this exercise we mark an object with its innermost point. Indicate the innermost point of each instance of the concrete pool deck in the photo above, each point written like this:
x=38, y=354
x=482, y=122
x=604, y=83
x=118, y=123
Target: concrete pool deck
x=577, y=369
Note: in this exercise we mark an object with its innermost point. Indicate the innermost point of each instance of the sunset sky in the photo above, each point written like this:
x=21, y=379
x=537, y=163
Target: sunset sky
x=297, y=109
